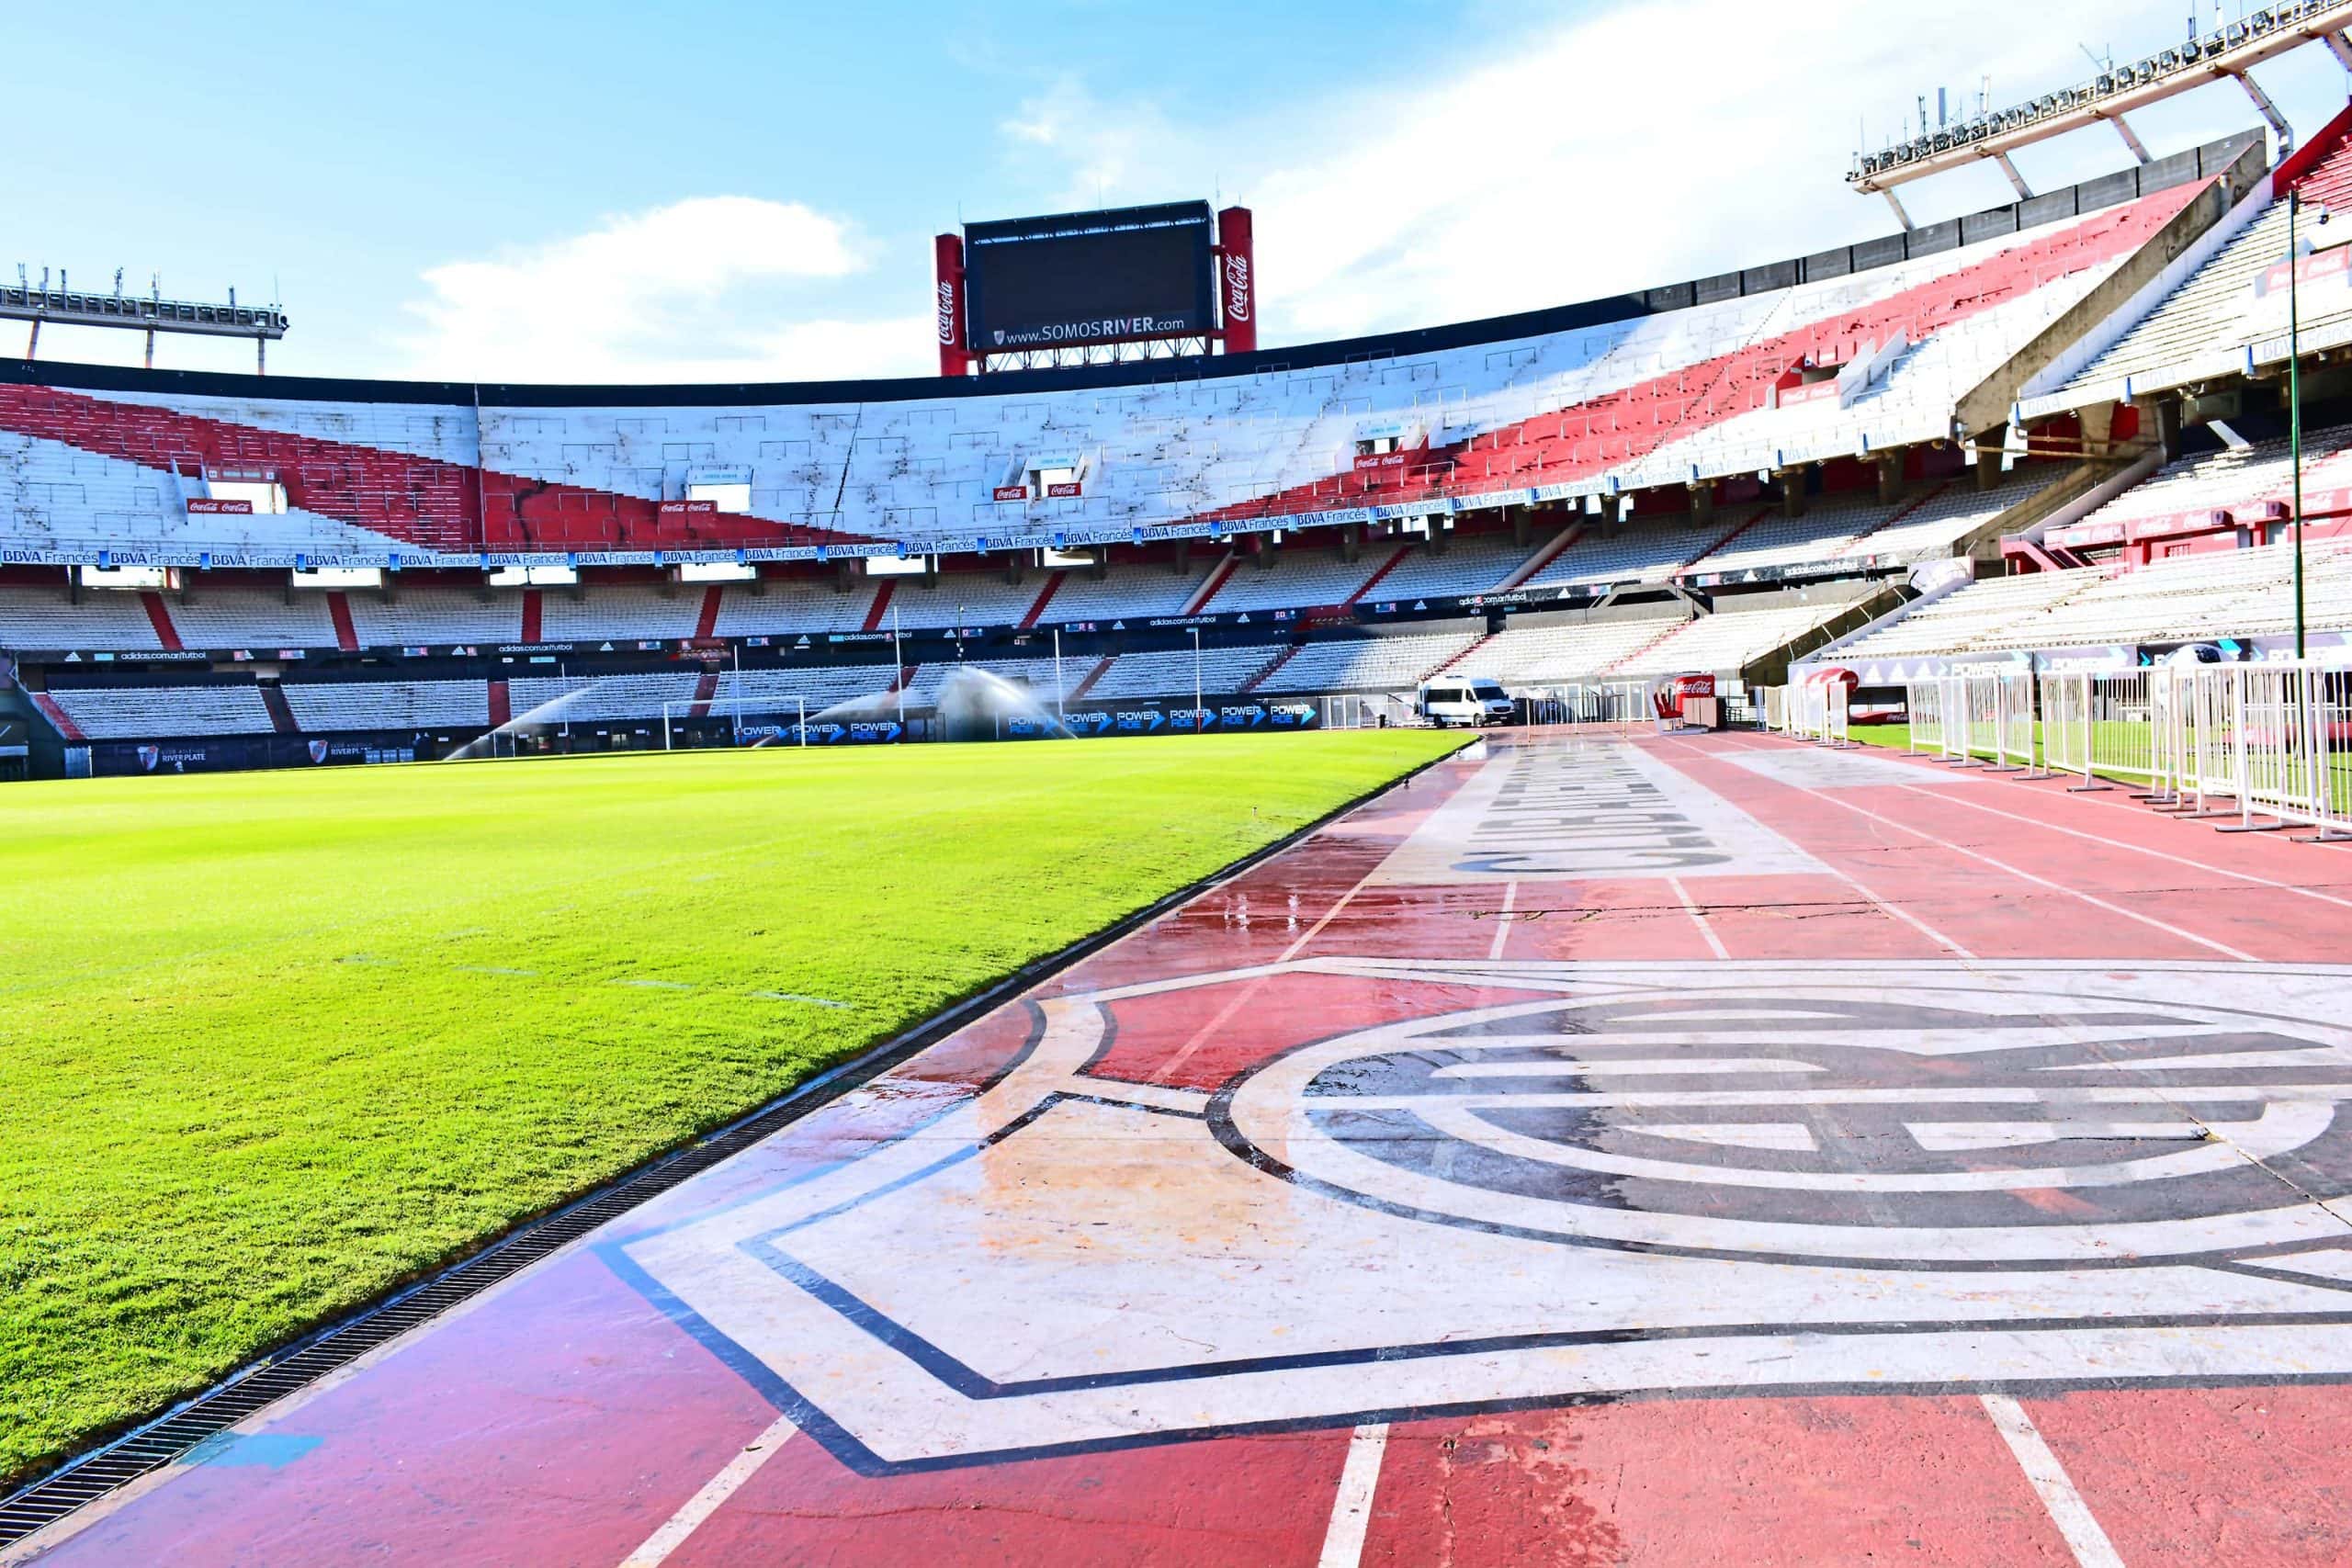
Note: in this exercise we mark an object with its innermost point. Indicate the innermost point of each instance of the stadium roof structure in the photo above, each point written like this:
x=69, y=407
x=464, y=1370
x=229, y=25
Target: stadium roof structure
x=2229, y=52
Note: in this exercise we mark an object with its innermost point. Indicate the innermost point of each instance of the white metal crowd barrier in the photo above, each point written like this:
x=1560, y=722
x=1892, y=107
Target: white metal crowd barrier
x=2268, y=744
x=1972, y=719
x=1368, y=710
x=1819, y=711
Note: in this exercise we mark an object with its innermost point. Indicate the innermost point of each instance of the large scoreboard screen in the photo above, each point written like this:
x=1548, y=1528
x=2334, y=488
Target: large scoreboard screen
x=1081, y=277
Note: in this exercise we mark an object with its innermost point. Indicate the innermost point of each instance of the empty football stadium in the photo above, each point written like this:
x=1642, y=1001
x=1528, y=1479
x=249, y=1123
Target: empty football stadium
x=1703, y=923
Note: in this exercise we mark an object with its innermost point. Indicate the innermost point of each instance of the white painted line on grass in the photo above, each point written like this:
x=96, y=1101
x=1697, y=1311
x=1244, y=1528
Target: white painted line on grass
x=716, y=1491
x=2067, y=1510
x=1351, y=1504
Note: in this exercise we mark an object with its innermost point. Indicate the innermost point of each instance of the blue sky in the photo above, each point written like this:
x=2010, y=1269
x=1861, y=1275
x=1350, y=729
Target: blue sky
x=731, y=191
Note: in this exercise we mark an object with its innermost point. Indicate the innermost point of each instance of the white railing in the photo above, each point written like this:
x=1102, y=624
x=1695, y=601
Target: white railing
x=2269, y=745
x=1819, y=711
x=1368, y=710
x=1922, y=710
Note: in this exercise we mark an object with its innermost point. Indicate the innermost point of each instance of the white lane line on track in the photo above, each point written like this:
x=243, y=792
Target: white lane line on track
x=1352, y=1504
x=2140, y=849
x=1848, y=877
x=1698, y=917
x=716, y=1491
x=2224, y=949
x=1502, y=922
x=2067, y=1510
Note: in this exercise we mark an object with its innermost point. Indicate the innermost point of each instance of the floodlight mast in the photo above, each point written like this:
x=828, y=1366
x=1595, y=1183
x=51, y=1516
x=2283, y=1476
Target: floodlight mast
x=2229, y=52
x=26, y=300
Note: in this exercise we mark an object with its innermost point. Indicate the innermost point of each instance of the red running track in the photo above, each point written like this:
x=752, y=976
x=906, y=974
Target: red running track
x=1591, y=1152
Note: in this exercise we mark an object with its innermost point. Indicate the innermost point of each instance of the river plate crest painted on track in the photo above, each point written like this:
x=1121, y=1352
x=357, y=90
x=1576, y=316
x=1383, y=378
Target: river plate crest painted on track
x=1604, y=1179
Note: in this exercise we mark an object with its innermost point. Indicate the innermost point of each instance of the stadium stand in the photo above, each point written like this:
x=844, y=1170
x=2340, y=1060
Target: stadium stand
x=432, y=615
x=2238, y=487
x=1170, y=674
x=1727, y=641
x=1140, y=591
x=2206, y=326
x=145, y=713
x=327, y=708
x=46, y=617
x=1535, y=656
x=1617, y=491
x=1367, y=664
x=1682, y=385
x=793, y=607
x=1465, y=566
x=2201, y=597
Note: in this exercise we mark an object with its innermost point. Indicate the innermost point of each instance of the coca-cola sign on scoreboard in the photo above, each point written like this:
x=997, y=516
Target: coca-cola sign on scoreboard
x=1237, y=294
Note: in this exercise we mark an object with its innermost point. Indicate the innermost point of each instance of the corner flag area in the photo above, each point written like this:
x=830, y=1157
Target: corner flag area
x=1595, y=1149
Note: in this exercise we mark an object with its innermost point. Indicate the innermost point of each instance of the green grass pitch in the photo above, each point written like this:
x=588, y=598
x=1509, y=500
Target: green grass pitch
x=270, y=1044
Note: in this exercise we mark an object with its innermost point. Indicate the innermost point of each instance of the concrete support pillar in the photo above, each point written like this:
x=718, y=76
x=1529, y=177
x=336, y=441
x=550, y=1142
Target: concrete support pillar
x=844, y=576
x=2099, y=426
x=759, y=584
x=1351, y=540
x=1703, y=501
x=2167, y=422
x=1988, y=458
x=1521, y=527
x=1261, y=551
x=1890, y=478
x=1014, y=561
x=1793, y=496
x=1440, y=536
x=1183, y=556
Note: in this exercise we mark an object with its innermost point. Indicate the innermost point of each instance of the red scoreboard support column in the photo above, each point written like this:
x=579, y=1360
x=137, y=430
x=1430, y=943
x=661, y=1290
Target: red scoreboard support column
x=1236, y=293
x=954, y=351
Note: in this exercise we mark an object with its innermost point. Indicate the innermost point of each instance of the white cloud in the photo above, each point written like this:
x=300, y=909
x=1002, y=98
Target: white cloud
x=1644, y=145
x=1096, y=153
x=707, y=288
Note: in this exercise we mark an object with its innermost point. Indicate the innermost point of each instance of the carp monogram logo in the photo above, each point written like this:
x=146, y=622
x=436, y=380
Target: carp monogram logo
x=1518, y=1182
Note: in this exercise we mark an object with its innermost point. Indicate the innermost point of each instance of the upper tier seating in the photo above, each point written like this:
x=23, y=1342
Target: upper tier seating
x=2204, y=325
x=1642, y=400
